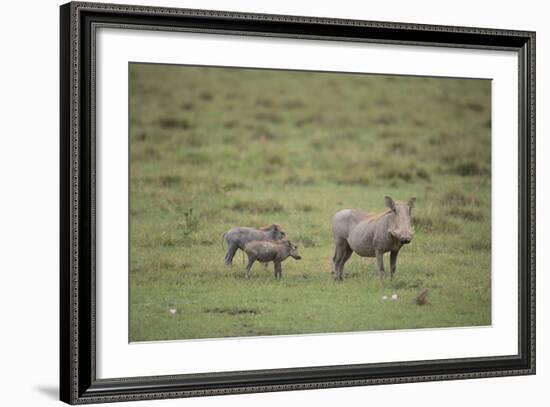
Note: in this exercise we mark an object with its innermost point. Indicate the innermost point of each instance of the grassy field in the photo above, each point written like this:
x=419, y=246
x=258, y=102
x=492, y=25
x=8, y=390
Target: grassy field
x=215, y=148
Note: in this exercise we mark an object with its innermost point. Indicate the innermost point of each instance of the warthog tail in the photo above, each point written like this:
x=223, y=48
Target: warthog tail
x=223, y=237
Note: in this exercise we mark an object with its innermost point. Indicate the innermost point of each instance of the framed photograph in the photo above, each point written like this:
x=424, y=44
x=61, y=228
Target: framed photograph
x=254, y=203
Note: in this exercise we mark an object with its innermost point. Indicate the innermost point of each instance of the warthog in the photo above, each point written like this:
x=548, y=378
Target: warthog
x=372, y=234
x=266, y=251
x=238, y=237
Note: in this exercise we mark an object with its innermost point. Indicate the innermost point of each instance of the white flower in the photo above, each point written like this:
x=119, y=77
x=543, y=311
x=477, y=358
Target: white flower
x=173, y=311
x=394, y=297
x=385, y=297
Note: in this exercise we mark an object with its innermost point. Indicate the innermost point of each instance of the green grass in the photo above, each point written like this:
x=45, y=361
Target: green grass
x=215, y=148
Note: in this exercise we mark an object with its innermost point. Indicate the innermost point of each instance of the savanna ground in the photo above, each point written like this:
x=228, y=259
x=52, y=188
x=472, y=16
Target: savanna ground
x=214, y=148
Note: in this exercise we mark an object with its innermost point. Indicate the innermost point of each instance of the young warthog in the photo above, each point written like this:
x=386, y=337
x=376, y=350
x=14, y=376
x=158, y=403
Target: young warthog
x=266, y=251
x=372, y=234
x=238, y=237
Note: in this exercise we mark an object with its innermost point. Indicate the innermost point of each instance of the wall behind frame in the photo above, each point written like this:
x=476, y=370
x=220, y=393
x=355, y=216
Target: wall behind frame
x=29, y=206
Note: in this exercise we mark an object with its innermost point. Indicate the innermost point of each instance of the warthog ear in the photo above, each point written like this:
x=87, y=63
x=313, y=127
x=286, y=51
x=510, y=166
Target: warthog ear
x=412, y=202
x=275, y=226
x=388, y=201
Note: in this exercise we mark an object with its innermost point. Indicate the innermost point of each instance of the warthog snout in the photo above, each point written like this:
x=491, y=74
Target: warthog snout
x=403, y=237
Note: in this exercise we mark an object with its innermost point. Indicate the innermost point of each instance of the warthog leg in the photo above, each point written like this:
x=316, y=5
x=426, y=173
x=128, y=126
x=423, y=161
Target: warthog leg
x=342, y=254
x=393, y=263
x=230, y=253
x=251, y=261
x=380, y=259
x=278, y=269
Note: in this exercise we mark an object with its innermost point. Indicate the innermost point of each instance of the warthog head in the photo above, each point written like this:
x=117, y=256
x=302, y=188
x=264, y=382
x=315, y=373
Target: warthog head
x=293, y=250
x=401, y=225
x=276, y=232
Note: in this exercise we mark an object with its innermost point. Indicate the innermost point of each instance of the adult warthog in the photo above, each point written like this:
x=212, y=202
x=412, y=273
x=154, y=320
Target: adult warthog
x=372, y=234
x=238, y=237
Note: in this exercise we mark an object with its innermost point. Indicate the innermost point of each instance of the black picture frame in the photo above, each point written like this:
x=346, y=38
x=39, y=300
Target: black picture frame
x=78, y=382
